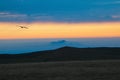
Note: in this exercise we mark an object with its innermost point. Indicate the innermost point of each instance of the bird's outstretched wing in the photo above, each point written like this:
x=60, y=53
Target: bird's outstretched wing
x=23, y=27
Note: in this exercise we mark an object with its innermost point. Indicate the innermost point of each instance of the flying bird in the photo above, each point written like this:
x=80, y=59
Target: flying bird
x=24, y=27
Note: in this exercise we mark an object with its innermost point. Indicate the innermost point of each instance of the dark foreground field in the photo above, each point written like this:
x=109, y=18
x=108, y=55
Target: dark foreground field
x=73, y=70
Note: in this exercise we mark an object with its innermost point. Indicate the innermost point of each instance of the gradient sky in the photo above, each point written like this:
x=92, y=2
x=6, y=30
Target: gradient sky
x=59, y=18
x=88, y=19
x=60, y=30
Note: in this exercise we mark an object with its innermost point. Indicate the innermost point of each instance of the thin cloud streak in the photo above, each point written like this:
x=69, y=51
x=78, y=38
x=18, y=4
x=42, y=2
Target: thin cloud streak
x=109, y=3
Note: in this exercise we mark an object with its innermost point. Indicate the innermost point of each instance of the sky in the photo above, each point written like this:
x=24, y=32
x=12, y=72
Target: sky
x=59, y=10
x=61, y=19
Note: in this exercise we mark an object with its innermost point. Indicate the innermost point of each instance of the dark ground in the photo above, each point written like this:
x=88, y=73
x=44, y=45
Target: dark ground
x=71, y=70
x=67, y=63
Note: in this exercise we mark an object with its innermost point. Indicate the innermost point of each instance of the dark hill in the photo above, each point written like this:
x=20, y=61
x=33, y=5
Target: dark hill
x=63, y=54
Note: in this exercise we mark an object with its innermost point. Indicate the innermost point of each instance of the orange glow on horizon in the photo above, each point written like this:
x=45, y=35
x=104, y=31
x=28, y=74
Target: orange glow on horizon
x=60, y=30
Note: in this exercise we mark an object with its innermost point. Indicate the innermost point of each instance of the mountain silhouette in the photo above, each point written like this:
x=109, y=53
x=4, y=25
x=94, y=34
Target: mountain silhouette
x=65, y=53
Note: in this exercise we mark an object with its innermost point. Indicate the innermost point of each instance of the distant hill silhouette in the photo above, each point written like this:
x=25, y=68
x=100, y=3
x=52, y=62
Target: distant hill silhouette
x=63, y=54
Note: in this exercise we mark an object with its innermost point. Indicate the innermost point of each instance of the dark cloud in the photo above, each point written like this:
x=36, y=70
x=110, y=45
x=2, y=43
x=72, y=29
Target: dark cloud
x=59, y=42
x=59, y=10
x=66, y=43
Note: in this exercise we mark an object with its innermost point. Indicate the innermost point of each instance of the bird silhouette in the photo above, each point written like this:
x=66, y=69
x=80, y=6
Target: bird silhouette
x=24, y=27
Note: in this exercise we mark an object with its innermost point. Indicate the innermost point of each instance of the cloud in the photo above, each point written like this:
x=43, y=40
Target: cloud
x=109, y=3
x=9, y=15
x=59, y=42
x=116, y=16
x=14, y=17
x=4, y=13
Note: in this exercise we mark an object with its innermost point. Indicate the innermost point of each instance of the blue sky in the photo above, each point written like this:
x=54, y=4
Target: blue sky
x=59, y=10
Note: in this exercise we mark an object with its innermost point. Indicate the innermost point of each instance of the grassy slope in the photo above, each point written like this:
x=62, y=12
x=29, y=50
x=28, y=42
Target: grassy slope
x=64, y=54
x=79, y=70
